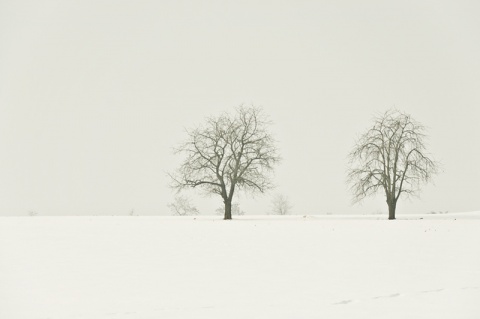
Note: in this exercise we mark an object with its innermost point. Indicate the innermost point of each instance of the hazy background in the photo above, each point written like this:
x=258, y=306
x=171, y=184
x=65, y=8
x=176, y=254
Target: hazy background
x=95, y=94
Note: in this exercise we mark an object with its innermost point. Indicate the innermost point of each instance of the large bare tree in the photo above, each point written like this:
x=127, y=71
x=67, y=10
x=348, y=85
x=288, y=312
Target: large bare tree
x=391, y=156
x=230, y=152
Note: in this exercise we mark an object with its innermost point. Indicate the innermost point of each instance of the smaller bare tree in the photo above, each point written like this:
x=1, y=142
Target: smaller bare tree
x=281, y=205
x=182, y=207
x=391, y=156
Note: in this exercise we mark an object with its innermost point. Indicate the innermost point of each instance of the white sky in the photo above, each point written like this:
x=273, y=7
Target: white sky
x=95, y=94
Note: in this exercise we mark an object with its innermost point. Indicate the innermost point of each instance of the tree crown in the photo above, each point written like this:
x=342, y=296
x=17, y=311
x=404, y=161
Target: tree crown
x=228, y=152
x=391, y=156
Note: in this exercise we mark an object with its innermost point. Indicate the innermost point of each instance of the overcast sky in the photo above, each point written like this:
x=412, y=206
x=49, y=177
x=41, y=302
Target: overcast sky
x=95, y=94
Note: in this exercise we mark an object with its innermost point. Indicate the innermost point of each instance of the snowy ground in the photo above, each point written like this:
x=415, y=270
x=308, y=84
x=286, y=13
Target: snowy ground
x=252, y=267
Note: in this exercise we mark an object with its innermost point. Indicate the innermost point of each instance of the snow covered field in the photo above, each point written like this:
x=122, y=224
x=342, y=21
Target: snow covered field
x=251, y=267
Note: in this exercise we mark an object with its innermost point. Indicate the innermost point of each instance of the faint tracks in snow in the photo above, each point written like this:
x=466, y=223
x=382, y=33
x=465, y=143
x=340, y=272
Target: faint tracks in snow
x=430, y=291
x=349, y=301
x=344, y=302
x=397, y=294
x=388, y=296
x=470, y=288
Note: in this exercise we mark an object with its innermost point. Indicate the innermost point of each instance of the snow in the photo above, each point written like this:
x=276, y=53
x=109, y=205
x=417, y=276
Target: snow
x=250, y=267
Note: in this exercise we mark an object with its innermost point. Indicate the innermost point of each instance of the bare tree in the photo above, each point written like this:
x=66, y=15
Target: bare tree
x=229, y=152
x=390, y=156
x=281, y=205
x=182, y=207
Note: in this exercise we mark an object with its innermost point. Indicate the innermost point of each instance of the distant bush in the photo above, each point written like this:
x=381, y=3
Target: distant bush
x=281, y=205
x=182, y=207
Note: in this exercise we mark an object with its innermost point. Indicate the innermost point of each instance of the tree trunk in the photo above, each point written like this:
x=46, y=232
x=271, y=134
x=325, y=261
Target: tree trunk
x=392, y=205
x=228, y=209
